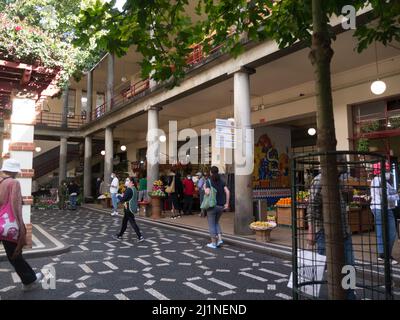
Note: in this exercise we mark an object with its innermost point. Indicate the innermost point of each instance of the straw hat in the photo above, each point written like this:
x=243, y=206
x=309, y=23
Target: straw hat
x=11, y=165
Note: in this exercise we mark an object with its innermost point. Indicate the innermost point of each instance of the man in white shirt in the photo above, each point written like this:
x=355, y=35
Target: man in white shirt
x=379, y=214
x=114, y=192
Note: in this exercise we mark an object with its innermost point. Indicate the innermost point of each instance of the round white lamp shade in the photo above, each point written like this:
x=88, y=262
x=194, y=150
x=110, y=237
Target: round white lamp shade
x=378, y=87
x=103, y=153
x=123, y=148
x=312, y=131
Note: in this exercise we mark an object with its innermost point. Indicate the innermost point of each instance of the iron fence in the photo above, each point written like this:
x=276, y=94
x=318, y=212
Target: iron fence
x=343, y=226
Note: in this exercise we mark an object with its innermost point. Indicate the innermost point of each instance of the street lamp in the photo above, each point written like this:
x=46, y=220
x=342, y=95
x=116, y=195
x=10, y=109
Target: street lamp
x=103, y=153
x=123, y=148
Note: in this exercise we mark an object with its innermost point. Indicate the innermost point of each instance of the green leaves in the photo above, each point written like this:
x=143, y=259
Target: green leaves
x=164, y=31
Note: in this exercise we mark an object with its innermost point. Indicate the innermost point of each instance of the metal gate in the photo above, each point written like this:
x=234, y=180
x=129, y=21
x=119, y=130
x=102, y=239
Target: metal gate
x=342, y=240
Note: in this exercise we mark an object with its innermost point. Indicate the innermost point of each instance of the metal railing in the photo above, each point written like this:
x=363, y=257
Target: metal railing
x=126, y=94
x=55, y=120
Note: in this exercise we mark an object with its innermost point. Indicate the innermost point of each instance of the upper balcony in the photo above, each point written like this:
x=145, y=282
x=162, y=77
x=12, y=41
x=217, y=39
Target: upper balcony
x=128, y=89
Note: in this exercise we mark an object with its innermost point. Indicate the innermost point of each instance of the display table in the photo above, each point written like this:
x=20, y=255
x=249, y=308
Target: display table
x=284, y=216
x=360, y=219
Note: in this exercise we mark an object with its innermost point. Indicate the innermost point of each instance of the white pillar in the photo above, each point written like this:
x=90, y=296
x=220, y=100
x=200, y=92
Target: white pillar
x=87, y=172
x=153, y=147
x=243, y=154
x=89, y=95
x=108, y=158
x=64, y=120
x=78, y=98
x=63, y=160
x=21, y=148
x=110, y=81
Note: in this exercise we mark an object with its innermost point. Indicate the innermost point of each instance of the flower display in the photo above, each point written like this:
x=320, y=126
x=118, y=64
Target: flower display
x=19, y=42
x=157, y=190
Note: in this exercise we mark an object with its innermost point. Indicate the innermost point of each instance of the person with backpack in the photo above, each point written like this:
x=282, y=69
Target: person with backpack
x=216, y=200
x=130, y=200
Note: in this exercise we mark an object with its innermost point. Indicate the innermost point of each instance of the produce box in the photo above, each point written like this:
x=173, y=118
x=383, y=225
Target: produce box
x=284, y=216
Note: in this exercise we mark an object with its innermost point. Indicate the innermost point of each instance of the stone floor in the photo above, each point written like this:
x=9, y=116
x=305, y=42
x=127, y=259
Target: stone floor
x=281, y=235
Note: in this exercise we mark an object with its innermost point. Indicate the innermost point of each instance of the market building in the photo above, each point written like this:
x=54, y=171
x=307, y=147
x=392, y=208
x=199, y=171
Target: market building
x=101, y=123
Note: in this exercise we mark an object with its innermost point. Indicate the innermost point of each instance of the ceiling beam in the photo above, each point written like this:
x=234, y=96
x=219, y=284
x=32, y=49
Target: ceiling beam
x=26, y=76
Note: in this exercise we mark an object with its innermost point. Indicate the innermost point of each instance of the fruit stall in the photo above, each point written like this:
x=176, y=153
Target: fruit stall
x=284, y=210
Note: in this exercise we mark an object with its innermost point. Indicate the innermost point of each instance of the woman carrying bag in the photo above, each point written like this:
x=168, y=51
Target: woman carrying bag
x=12, y=227
x=216, y=200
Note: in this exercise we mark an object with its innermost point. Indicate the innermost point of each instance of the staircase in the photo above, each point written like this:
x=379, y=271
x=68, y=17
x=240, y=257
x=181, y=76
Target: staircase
x=50, y=160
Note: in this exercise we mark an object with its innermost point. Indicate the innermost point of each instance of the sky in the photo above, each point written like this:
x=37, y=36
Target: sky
x=118, y=4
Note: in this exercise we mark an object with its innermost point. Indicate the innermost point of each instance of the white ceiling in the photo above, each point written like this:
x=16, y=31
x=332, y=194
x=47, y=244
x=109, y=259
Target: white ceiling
x=286, y=72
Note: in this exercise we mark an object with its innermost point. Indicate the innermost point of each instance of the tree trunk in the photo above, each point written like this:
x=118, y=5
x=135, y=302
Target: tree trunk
x=321, y=56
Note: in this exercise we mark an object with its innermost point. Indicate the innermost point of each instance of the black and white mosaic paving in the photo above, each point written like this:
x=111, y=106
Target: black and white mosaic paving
x=168, y=265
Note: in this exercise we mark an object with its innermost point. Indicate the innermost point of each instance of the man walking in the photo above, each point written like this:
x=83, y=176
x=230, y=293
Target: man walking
x=130, y=208
x=114, y=191
x=316, y=232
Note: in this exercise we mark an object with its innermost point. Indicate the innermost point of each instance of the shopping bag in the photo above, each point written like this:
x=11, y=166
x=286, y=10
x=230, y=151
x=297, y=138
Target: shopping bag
x=310, y=268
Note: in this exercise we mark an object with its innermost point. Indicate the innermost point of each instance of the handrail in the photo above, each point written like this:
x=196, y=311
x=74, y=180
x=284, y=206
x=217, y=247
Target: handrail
x=122, y=97
x=52, y=119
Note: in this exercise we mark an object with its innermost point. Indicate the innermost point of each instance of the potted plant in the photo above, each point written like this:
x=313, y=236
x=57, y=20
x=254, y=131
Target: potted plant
x=363, y=145
x=370, y=126
x=156, y=194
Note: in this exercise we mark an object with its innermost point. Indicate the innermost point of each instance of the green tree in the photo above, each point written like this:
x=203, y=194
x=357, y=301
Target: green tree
x=163, y=31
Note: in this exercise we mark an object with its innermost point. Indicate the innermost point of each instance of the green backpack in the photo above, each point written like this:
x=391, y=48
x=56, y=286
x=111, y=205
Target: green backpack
x=210, y=200
x=133, y=203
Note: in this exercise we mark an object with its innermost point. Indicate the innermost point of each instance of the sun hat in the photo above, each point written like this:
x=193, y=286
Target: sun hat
x=11, y=165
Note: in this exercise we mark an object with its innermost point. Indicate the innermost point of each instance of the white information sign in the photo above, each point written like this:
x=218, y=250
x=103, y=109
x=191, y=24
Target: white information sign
x=224, y=133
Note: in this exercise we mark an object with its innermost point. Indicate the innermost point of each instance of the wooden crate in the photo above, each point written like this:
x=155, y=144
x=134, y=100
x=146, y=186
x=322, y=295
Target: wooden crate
x=284, y=216
x=360, y=219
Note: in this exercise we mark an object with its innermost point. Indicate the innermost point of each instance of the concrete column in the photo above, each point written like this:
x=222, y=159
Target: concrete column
x=64, y=120
x=63, y=160
x=89, y=94
x=108, y=158
x=110, y=81
x=243, y=155
x=87, y=171
x=21, y=148
x=78, y=98
x=153, y=147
